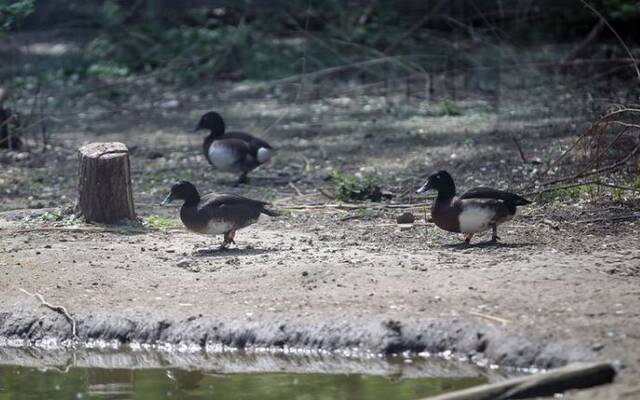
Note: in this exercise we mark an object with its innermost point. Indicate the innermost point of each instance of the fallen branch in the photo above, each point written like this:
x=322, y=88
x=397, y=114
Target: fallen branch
x=577, y=376
x=597, y=171
x=609, y=219
x=344, y=206
x=553, y=189
x=598, y=183
x=75, y=230
x=59, y=309
x=602, y=120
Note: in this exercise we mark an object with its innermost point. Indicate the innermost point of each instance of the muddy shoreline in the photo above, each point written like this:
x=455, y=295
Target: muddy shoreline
x=465, y=340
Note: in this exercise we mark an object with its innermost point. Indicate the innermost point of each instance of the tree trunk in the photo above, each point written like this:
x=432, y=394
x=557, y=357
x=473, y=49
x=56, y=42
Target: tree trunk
x=104, y=187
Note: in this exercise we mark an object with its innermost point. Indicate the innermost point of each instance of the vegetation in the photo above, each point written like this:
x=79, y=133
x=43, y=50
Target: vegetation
x=241, y=40
x=12, y=12
x=357, y=188
x=159, y=222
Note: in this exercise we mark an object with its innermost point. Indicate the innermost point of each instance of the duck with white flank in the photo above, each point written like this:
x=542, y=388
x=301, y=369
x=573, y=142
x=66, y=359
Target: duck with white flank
x=216, y=215
x=477, y=210
x=237, y=152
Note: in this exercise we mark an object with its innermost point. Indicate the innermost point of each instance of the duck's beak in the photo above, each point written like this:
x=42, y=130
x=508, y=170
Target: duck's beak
x=198, y=127
x=427, y=186
x=167, y=200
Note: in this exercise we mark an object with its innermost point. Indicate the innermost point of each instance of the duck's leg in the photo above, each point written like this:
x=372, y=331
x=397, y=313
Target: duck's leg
x=467, y=237
x=243, y=179
x=494, y=235
x=228, y=239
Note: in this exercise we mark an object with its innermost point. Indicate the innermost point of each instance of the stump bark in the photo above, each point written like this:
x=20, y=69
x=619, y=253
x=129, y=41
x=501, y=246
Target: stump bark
x=104, y=188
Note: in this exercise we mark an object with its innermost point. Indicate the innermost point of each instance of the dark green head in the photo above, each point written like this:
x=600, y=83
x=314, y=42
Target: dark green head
x=213, y=122
x=182, y=190
x=442, y=182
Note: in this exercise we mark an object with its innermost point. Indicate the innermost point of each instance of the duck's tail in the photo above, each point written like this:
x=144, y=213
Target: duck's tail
x=520, y=201
x=269, y=212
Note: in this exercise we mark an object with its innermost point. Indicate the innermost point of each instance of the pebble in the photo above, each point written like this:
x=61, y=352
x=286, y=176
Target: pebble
x=184, y=263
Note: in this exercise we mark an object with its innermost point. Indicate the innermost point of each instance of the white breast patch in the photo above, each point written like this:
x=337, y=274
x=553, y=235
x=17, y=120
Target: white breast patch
x=218, y=227
x=475, y=219
x=221, y=156
x=264, y=154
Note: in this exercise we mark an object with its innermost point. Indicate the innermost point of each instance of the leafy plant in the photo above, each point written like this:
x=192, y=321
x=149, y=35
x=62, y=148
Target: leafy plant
x=12, y=11
x=449, y=108
x=52, y=216
x=354, y=188
x=160, y=222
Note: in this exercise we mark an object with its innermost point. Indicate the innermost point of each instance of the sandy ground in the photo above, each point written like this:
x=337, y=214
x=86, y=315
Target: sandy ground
x=557, y=289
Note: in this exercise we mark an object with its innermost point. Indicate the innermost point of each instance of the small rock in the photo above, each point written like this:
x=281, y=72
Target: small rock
x=184, y=263
x=406, y=218
x=305, y=273
x=170, y=104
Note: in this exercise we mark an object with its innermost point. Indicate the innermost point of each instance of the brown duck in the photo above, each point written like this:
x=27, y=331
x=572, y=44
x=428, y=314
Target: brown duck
x=477, y=210
x=216, y=215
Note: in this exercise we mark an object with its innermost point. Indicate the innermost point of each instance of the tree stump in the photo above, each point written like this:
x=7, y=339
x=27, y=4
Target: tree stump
x=104, y=187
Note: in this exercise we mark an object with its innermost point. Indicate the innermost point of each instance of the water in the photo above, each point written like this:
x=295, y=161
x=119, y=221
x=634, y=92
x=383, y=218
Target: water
x=238, y=376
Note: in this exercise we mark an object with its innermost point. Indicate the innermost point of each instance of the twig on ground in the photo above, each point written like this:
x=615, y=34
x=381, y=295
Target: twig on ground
x=294, y=187
x=72, y=230
x=326, y=194
x=346, y=206
x=597, y=183
x=627, y=188
x=490, y=317
x=609, y=219
x=59, y=309
x=553, y=189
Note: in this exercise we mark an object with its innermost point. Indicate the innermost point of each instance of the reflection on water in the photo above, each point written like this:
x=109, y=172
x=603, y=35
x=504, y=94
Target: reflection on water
x=18, y=383
x=27, y=374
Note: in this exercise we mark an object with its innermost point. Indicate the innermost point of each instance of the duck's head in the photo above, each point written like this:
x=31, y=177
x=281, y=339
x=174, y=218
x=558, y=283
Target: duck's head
x=182, y=190
x=442, y=182
x=213, y=122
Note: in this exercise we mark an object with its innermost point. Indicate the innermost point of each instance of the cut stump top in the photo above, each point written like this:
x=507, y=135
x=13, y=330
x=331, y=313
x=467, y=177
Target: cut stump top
x=103, y=149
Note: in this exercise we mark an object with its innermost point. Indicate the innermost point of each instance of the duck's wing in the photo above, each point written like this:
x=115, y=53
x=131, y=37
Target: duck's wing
x=483, y=192
x=237, y=210
x=477, y=215
x=259, y=149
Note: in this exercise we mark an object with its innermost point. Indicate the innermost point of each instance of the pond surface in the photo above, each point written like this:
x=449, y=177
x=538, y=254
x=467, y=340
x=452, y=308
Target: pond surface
x=261, y=377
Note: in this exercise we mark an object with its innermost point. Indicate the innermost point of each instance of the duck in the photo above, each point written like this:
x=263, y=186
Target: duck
x=216, y=215
x=476, y=210
x=238, y=152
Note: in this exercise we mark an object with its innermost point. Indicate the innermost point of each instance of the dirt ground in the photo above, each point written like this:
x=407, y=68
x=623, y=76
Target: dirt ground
x=325, y=275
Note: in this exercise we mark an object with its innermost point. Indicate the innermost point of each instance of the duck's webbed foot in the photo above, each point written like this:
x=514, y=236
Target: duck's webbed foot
x=242, y=180
x=228, y=239
x=467, y=237
x=494, y=235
